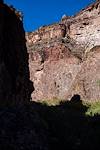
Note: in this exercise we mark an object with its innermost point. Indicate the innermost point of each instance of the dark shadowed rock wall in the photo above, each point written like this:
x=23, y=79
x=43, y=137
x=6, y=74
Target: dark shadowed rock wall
x=14, y=72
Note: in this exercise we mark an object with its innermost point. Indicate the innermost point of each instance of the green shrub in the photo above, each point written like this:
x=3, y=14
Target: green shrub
x=52, y=102
x=94, y=108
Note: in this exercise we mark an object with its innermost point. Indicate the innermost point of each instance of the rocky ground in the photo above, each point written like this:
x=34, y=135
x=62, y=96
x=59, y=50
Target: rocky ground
x=41, y=127
x=22, y=128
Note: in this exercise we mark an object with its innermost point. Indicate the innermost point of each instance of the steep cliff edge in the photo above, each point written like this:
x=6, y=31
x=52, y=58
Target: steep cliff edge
x=14, y=71
x=57, y=57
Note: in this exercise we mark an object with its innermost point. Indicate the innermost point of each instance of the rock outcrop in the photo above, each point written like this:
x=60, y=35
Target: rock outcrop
x=52, y=71
x=87, y=81
x=85, y=27
x=59, y=57
x=47, y=32
x=14, y=72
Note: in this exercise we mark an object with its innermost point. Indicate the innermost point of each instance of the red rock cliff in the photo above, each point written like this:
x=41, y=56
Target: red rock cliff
x=58, y=62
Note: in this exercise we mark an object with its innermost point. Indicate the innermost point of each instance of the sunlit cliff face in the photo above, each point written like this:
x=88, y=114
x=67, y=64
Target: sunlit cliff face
x=58, y=57
x=86, y=27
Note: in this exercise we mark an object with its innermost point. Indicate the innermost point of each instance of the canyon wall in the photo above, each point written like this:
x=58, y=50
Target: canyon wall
x=14, y=72
x=47, y=32
x=85, y=27
x=59, y=57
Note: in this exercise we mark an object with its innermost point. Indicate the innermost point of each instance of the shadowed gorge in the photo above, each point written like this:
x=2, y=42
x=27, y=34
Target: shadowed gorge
x=53, y=67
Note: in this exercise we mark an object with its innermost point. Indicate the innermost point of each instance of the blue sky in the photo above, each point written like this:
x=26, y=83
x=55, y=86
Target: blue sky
x=44, y=12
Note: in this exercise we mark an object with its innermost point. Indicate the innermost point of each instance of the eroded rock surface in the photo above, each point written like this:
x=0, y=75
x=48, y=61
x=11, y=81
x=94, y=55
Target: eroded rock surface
x=85, y=27
x=53, y=71
x=57, y=57
x=87, y=82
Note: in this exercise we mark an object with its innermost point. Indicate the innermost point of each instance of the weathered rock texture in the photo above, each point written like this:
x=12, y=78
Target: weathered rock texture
x=61, y=60
x=86, y=27
x=87, y=81
x=14, y=71
x=52, y=71
x=47, y=32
